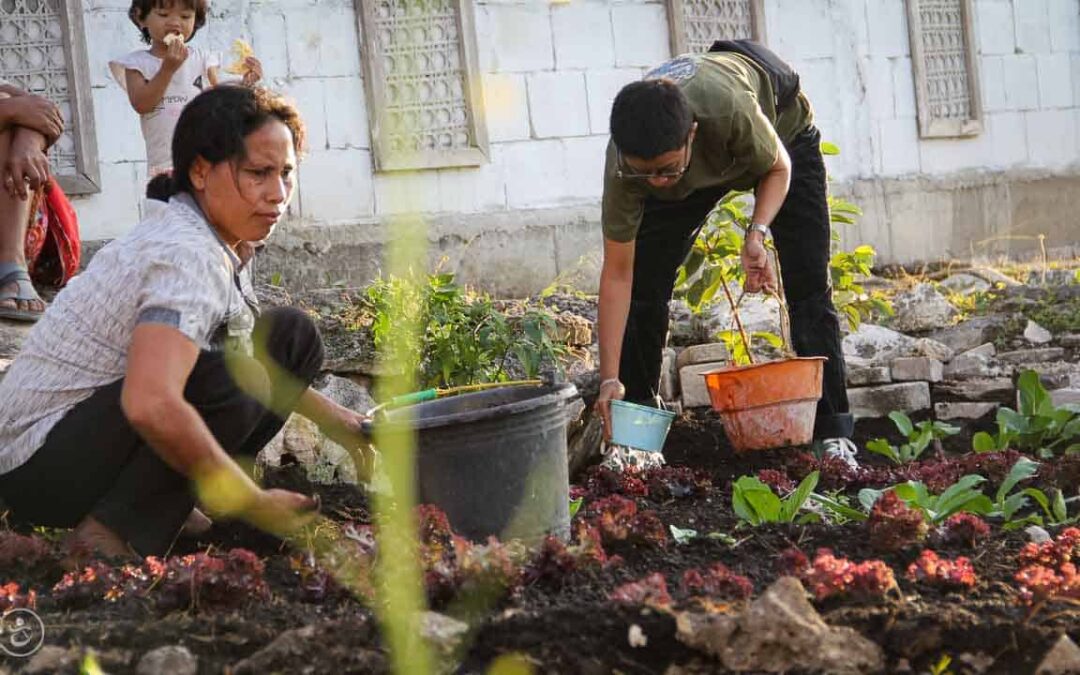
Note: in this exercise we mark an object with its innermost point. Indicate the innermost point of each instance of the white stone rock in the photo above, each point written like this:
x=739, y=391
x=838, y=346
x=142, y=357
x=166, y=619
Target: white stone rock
x=975, y=363
x=962, y=410
x=881, y=400
x=933, y=349
x=969, y=334
x=1062, y=397
x=345, y=392
x=695, y=394
x=1036, y=334
x=669, y=376
x=442, y=631
x=987, y=349
x=1027, y=356
x=877, y=343
x=1062, y=659
x=916, y=368
x=965, y=283
x=921, y=308
x=779, y=632
x=712, y=352
x=1037, y=535
x=859, y=376
x=170, y=660
x=979, y=389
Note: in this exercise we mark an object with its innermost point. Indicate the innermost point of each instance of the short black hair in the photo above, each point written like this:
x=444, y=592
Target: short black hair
x=140, y=9
x=214, y=126
x=650, y=117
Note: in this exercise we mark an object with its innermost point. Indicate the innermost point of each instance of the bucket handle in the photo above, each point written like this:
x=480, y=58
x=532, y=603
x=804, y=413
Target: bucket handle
x=781, y=299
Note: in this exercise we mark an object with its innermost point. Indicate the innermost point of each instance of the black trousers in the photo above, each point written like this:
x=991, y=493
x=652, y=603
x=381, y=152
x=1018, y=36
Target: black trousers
x=802, y=235
x=94, y=463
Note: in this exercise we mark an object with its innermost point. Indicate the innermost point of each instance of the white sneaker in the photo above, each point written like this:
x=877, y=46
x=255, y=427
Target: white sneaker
x=841, y=448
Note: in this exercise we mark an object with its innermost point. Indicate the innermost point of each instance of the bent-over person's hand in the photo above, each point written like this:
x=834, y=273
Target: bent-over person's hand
x=610, y=390
x=760, y=274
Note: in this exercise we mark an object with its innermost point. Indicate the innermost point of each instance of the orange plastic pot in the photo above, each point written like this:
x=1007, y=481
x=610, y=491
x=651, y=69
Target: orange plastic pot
x=767, y=405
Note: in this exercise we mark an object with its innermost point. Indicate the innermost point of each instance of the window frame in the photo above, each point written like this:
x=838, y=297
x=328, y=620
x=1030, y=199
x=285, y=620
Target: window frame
x=936, y=127
x=375, y=89
x=677, y=24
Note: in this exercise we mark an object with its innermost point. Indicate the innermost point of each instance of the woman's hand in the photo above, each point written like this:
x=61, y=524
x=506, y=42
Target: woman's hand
x=610, y=390
x=35, y=112
x=26, y=169
x=281, y=511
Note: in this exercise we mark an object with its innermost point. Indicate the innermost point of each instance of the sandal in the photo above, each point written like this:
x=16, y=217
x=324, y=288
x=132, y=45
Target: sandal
x=24, y=292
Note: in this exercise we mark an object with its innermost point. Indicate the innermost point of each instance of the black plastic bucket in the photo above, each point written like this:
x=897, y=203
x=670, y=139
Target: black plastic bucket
x=495, y=461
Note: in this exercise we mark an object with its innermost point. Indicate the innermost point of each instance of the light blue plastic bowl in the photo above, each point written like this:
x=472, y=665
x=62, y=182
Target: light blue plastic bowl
x=638, y=426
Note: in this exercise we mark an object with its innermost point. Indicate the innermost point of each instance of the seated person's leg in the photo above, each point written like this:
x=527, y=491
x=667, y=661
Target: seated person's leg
x=96, y=474
x=18, y=299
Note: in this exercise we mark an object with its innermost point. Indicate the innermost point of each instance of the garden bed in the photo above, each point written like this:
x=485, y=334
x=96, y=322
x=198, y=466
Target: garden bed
x=566, y=623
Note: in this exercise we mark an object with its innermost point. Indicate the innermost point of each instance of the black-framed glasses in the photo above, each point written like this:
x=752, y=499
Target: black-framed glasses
x=625, y=172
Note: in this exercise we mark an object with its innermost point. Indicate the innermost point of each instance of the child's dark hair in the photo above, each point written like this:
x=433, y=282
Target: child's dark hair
x=649, y=118
x=140, y=9
x=214, y=126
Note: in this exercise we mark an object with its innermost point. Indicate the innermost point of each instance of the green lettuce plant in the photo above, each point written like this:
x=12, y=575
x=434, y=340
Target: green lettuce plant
x=919, y=437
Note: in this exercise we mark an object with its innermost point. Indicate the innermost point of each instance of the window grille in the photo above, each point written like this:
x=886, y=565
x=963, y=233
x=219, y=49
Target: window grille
x=944, y=64
x=43, y=51
x=695, y=24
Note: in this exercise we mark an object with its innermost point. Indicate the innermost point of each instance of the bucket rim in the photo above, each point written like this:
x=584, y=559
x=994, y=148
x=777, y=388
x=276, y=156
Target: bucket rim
x=637, y=407
x=724, y=370
x=559, y=393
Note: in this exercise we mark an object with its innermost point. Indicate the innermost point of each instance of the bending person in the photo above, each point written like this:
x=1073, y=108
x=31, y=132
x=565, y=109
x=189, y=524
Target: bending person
x=150, y=370
x=693, y=129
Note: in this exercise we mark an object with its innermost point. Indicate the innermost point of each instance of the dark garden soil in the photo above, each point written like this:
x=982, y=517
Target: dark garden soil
x=569, y=626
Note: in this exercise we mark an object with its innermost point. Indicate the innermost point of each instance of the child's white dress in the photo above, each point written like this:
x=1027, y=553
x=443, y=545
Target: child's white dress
x=187, y=83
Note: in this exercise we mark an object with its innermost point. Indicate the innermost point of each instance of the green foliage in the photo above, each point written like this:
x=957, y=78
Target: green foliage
x=1038, y=426
x=838, y=507
x=755, y=503
x=919, y=438
x=463, y=338
x=961, y=496
x=575, y=506
x=735, y=346
x=1009, y=501
x=715, y=255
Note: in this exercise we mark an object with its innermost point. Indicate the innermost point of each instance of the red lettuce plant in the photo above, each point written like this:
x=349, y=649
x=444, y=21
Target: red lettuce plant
x=777, y=480
x=20, y=551
x=617, y=519
x=666, y=482
x=716, y=582
x=893, y=525
x=963, y=529
x=12, y=597
x=952, y=574
x=829, y=576
x=1047, y=572
x=651, y=590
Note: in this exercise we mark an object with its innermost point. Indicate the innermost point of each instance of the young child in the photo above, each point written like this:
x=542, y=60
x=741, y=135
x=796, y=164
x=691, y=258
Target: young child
x=161, y=80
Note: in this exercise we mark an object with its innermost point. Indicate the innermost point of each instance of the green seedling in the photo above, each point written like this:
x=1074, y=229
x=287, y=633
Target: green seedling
x=755, y=503
x=919, y=437
x=1038, y=426
x=961, y=496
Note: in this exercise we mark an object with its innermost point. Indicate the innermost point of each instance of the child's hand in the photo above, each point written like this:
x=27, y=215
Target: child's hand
x=253, y=71
x=175, y=55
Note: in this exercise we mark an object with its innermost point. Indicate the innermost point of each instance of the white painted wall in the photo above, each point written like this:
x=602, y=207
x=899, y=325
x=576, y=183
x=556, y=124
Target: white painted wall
x=550, y=72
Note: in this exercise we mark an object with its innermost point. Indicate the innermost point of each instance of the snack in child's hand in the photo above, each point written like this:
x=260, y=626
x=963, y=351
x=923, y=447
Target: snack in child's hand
x=241, y=51
x=172, y=38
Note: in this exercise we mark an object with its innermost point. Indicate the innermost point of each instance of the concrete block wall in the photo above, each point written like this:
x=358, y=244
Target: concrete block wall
x=549, y=71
